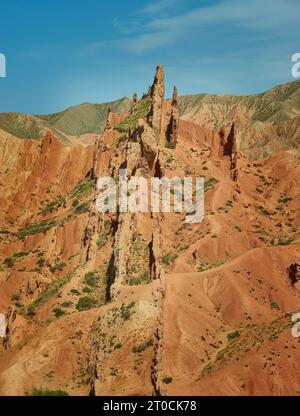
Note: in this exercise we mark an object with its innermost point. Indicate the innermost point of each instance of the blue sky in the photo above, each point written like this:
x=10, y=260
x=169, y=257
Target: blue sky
x=61, y=52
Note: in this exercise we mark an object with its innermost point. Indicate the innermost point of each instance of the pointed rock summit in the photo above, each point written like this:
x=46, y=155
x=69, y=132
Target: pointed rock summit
x=172, y=129
x=134, y=102
x=157, y=93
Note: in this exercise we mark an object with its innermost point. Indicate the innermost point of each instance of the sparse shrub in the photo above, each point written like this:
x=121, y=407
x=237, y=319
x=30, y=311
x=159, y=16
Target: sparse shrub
x=203, y=265
x=142, y=278
x=31, y=310
x=142, y=347
x=51, y=290
x=10, y=261
x=53, y=205
x=84, y=303
x=169, y=258
x=83, y=189
x=46, y=392
x=167, y=380
x=274, y=305
x=91, y=279
x=187, y=170
x=58, y=312
x=234, y=334
x=59, y=266
x=82, y=208
x=67, y=304
x=126, y=310
x=210, y=184
x=38, y=228
x=118, y=346
x=41, y=262
x=141, y=110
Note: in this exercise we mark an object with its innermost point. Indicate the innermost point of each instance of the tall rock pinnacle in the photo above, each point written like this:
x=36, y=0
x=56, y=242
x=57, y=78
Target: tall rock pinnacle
x=172, y=128
x=157, y=99
x=134, y=102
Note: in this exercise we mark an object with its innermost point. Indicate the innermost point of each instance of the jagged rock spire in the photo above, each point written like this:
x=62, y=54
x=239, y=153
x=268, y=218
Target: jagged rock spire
x=134, y=98
x=108, y=119
x=175, y=97
x=157, y=92
x=134, y=102
x=172, y=128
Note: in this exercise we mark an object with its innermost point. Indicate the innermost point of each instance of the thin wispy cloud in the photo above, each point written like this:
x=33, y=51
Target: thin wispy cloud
x=269, y=16
x=160, y=6
x=255, y=14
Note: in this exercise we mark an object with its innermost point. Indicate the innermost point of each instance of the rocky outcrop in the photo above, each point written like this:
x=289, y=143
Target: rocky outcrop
x=147, y=298
x=109, y=117
x=172, y=128
x=229, y=148
x=157, y=93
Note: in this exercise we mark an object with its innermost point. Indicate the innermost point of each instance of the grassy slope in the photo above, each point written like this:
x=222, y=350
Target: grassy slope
x=74, y=121
x=85, y=118
x=278, y=104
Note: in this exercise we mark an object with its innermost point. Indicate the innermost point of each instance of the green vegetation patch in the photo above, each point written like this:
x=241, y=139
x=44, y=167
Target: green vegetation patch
x=234, y=334
x=10, y=261
x=53, y=205
x=143, y=347
x=210, y=184
x=38, y=228
x=82, y=208
x=51, y=290
x=58, y=312
x=85, y=303
x=141, y=111
x=103, y=237
x=57, y=266
x=167, y=380
x=140, y=279
x=83, y=189
x=139, y=263
x=127, y=310
x=91, y=279
x=169, y=258
x=203, y=265
x=46, y=392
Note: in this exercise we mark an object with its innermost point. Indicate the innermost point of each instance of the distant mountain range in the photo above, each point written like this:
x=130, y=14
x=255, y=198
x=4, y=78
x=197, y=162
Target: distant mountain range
x=266, y=122
x=74, y=121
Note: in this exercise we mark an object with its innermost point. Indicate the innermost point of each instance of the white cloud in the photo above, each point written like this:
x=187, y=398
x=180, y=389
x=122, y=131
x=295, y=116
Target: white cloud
x=159, y=6
x=267, y=16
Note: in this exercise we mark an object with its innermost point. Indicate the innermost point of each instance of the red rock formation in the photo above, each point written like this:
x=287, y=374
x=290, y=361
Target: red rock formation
x=172, y=129
x=167, y=295
x=109, y=117
x=157, y=100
